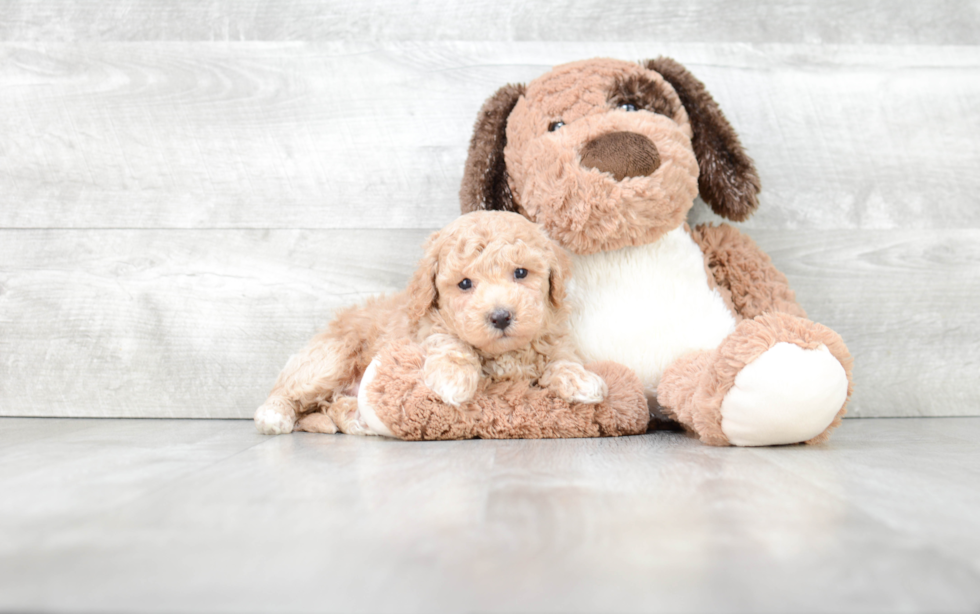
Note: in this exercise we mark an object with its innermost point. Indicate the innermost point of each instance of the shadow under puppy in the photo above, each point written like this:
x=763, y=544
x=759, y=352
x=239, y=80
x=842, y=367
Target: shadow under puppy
x=485, y=305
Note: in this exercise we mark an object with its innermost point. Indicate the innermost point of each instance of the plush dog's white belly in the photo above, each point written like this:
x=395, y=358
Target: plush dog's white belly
x=646, y=306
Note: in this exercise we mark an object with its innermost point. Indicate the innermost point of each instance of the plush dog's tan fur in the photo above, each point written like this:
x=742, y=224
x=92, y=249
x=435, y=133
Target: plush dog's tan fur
x=550, y=186
x=501, y=409
x=608, y=157
x=452, y=324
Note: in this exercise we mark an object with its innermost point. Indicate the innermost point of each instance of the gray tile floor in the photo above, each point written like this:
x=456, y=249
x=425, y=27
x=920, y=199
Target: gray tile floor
x=178, y=515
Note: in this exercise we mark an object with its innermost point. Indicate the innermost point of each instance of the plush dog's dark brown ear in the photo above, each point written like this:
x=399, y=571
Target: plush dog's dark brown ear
x=728, y=181
x=485, y=175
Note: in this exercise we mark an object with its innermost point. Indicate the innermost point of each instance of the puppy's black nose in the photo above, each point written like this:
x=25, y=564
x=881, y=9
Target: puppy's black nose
x=501, y=318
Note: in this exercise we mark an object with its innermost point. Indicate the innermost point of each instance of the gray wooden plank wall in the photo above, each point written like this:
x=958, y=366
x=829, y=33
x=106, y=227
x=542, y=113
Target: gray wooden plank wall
x=189, y=189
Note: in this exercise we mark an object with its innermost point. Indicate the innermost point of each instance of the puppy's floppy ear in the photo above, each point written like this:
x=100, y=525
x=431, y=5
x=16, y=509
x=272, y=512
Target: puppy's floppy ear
x=485, y=184
x=561, y=268
x=728, y=182
x=423, y=295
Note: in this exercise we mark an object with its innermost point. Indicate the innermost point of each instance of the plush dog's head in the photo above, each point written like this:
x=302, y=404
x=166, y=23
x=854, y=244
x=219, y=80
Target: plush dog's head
x=493, y=279
x=605, y=154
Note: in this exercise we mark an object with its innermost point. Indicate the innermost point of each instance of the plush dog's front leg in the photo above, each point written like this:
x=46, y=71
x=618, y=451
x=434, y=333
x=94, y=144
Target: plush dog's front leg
x=573, y=383
x=452, y=369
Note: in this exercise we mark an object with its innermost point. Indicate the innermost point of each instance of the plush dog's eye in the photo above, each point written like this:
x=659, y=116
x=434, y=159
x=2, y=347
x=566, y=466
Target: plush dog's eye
x=520, y=273
x=555, y=125
x=466, y=284
x=626, y=106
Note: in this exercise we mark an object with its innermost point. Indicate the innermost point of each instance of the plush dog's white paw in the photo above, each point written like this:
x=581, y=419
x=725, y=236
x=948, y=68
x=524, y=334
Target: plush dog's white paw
x=573, y=383
x=270, y=420
x=786, y=395
x=368, y=415
x=453, y=383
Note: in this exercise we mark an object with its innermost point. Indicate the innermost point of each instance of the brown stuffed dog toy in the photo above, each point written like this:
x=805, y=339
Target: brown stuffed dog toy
x=477, y=346
x=608, y=157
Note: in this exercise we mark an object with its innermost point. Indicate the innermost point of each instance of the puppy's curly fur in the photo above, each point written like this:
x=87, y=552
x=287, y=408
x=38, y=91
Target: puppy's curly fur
x=487, y=301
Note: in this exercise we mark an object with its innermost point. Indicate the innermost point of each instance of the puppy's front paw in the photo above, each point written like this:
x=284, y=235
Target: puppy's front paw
x=573, y=383
x=455, y=384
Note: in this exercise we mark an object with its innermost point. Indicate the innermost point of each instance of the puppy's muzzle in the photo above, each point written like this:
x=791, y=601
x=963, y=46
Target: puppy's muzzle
x=624, y=154
x=500, y=318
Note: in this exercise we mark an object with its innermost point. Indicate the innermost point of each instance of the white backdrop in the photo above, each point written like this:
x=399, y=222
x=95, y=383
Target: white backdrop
x=189, y=189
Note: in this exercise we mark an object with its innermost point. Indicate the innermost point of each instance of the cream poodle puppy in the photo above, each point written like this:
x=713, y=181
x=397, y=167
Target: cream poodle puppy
x=487, y=301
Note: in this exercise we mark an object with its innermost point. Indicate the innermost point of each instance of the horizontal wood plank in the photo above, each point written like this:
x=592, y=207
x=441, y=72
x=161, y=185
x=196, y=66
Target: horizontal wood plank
x=800, y=21
x=174, y=323
x=359, y=135
x=146, y=516
x=197, y=323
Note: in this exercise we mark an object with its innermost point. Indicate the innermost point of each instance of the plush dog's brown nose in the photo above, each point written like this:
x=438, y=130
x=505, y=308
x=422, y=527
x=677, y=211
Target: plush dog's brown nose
x=501, y=318
x=624, y=154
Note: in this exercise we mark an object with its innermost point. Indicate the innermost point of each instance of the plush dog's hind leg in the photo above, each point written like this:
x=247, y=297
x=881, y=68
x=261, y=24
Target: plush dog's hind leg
x=778, y=379
x=396, y=402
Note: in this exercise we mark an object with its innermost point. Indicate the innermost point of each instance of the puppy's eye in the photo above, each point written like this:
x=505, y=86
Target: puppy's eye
x=627, y=106
x=466, y=284
x=555, y=125
x=520, y=273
